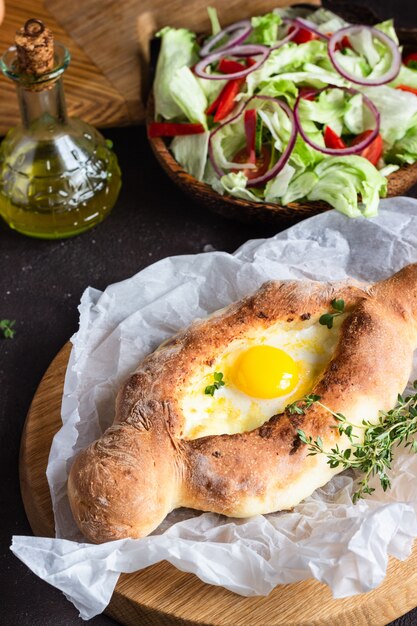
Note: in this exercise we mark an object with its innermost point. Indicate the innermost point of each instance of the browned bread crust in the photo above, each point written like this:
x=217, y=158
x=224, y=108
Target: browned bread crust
x=125, y=483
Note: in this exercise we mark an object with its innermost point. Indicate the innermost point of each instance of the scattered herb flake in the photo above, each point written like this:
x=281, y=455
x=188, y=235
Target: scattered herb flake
x=218, y=382
x=6, y=326
x=327, y=318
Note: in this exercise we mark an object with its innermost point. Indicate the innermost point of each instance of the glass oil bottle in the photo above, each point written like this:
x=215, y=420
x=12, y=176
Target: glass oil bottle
x=58, y=175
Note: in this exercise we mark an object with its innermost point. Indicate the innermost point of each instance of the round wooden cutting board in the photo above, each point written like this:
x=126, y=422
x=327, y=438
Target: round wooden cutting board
x=162, y=595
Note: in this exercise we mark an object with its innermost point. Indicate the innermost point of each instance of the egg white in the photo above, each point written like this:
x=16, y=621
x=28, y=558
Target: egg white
x=229, y=411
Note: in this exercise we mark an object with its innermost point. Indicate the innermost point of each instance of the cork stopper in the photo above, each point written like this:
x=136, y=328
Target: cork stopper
x=35, y=48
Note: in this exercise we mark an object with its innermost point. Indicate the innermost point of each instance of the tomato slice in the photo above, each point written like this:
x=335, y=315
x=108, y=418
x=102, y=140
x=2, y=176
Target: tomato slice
x=344, y=43
x=226, y=100
x=332, y=139
x=171, y=129
x=262, y=162
x=372, y=152
x=227, y=66
x=303, y=36
x=307, y=93
x=411, y=60
x=407, y=88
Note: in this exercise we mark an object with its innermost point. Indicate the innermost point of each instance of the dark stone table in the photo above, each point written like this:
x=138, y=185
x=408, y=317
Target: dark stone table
x=41, y=283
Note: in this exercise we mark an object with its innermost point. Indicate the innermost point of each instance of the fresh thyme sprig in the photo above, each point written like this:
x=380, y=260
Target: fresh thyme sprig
x=218, y=382
x=374, y=455
x=6, y=326
x=327, y=318
x=306, y=402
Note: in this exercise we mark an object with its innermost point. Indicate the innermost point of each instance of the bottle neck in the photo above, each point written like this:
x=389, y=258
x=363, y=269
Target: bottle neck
x=43, y=106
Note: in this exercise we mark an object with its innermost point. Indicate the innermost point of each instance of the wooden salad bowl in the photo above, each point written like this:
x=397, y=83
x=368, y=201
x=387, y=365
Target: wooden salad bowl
x=399, y=182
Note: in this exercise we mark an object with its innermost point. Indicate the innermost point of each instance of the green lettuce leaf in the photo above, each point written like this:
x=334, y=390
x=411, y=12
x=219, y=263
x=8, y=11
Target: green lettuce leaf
x=389, y=169
x=370, y=57
x=338, y=188
x=364, y=44
x=265, y=29
x=406, y=76
x=288, y=58
x=405, y=149
x=341, y=179
x=278, y=186
x=300, y=186
x=397, y=109
x=344, y=113
x=178, y=49
x=276, y=121
x=328, y=109
x=211, y=88
x=352, y=63
x=227, y=142
x=214, y=20
x=304, y=156
x=327, y=21
x=356, y=117
x=187, y=93
x=313, y=76
x=278, y=88
x=387, y=27
x=235, y=185
x=191, y=152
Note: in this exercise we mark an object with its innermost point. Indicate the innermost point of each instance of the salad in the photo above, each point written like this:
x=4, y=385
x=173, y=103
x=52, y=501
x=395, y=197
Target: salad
x=289, y=106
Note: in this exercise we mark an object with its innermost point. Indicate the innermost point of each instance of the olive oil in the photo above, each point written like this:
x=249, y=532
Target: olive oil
x=58, y=175
x=58, y=187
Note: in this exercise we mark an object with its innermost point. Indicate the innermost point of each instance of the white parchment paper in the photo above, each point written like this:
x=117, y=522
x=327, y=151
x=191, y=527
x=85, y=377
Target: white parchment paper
x=326, y=537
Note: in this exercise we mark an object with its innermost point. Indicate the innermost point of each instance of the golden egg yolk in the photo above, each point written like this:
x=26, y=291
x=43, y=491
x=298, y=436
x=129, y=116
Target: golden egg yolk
x=264, y=372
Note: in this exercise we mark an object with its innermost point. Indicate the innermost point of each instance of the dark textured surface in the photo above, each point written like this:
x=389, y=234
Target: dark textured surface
x=40, y=286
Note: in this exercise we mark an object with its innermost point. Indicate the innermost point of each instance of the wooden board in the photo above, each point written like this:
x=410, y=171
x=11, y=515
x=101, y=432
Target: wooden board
x=90, y=95
x=116, y=34
x=107, y=81
x=162, y=595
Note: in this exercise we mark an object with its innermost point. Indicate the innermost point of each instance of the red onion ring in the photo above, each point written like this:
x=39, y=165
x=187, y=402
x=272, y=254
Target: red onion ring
x=236, y=51
x=260, y=180
x=356, y=149
x=244, y=27
x=313, y=28
x=383, y=38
